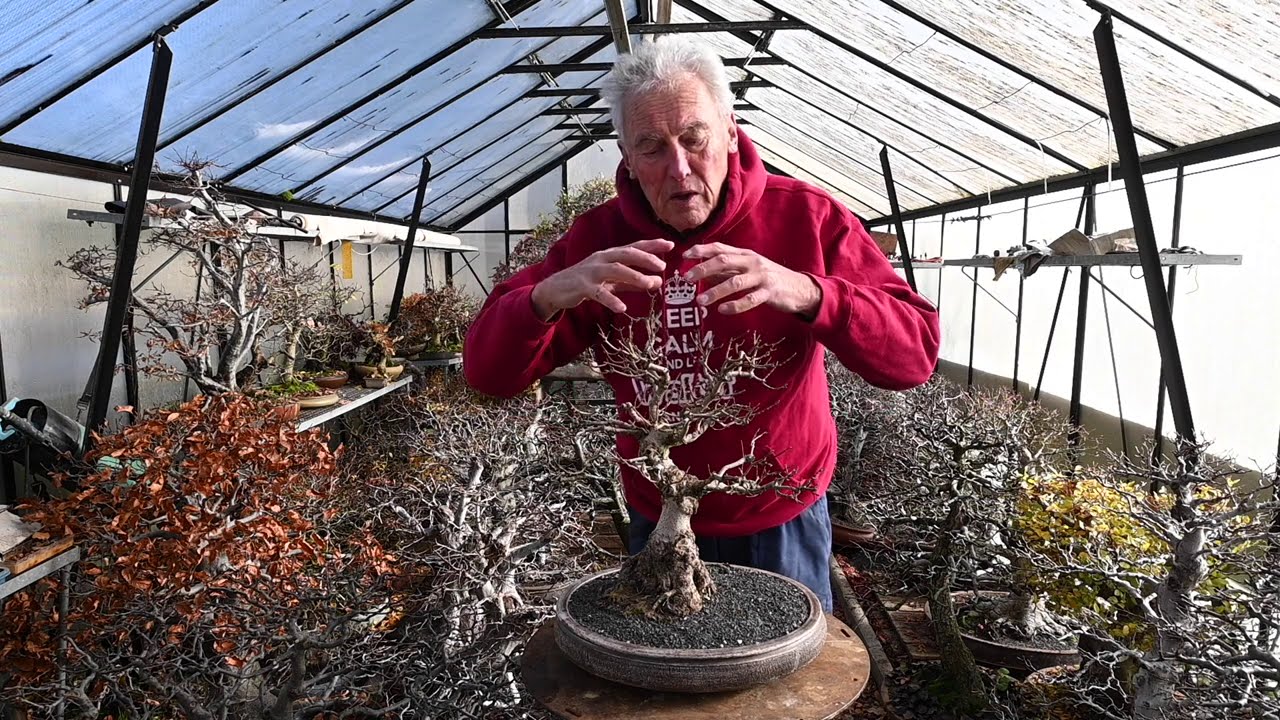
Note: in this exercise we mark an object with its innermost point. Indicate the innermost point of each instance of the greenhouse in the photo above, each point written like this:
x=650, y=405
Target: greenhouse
x=672, y=359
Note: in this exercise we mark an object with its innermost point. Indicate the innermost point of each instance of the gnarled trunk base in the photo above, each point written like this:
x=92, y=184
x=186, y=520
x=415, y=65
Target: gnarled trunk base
x=666, y=578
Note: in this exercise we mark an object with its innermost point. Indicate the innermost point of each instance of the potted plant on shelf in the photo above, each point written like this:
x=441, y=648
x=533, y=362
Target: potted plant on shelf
x=434, y=323
x=665, y=620
x=378, y=364
x=305, y=394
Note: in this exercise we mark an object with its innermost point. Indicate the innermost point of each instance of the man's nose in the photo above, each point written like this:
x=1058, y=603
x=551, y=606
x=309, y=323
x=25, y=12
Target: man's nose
x=678, y=168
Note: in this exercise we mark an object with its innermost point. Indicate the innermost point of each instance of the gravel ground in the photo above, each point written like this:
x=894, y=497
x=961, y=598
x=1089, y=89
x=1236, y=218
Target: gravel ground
x=748, y=607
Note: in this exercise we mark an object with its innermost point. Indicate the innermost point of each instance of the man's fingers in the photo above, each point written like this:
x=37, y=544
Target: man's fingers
x=735, y=284
x=620, y=274
x=752, y=299
x=635, y=257
x=716, y=266
x=706, y=250
x=608, y=299
x=653, y=245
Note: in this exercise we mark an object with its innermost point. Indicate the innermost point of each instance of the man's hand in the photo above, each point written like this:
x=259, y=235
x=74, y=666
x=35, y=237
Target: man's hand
x=760, y=280
x=601, y=274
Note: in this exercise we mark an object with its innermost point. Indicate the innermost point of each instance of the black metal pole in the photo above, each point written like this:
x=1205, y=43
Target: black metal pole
x=406, y=254
x=1140, y=210
x=1082, y=326
x=1157, y=448
x=373, y=304
x=506, y=230
x=973, y=302
x=128, y=338
x=897, y=217
x=1017, y=318
x=942, y=253
x=127, y=251
x=448, y=268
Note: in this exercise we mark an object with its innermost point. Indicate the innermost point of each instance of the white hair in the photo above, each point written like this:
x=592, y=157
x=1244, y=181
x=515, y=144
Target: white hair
x=661, y=64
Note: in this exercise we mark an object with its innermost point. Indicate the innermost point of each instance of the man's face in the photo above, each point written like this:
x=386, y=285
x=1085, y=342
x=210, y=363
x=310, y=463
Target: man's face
x=677, y=147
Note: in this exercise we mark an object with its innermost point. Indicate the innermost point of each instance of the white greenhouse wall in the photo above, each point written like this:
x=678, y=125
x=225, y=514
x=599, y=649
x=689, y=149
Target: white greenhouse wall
x=1224, y=316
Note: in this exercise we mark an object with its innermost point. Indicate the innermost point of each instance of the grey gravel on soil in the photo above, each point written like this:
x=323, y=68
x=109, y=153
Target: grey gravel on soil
x=748, y=607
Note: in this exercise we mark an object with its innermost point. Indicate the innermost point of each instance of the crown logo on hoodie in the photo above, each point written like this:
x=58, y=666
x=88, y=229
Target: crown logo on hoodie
x=680, y=291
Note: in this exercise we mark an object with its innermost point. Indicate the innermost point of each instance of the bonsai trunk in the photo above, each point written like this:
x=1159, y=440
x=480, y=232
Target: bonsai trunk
x=1024, y=614
x=667, y=578
x=291, y=353
x=960, y=686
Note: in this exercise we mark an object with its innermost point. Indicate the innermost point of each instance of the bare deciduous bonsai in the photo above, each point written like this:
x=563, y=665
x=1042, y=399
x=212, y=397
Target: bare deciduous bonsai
x=668, y=578
x=533, y=247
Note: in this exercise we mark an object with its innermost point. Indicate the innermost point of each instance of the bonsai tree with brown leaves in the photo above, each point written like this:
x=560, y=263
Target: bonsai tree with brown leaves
x=437, y=318
x=668, y=578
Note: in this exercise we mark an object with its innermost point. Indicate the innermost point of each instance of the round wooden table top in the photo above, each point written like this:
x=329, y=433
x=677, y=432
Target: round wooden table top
x=817, y=691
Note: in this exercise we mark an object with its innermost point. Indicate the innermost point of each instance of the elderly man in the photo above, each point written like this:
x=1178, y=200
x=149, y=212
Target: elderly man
x=699, y=218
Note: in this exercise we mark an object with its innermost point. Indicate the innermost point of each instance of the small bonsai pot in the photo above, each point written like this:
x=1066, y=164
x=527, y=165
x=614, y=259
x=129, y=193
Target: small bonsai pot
x=332, y=379
x=371, y=381
x=307, y=402
x=1009, y=654
x=394, y=368
x=697, y=670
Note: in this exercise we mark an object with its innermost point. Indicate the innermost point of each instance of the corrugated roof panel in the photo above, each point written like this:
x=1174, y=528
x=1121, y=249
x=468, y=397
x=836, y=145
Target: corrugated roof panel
x=786, y=165
x=734, y=9
x=47, y=45
x=828, y=176
x=819, y=124
x=494, y=183
x=406, y=105
x=1169, y=95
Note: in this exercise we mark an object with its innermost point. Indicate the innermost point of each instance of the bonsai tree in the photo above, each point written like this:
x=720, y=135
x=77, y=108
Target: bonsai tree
x=303, y=306
x=1205, y=592
x=217, y=337
x=668, y=578
x=436, y=318
x=534, y=246
x=962, y=459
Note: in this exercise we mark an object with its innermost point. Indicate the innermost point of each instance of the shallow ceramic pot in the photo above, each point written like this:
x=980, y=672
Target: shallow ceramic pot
x=317, y=401
x=332, y=381
x=364, y=371
x=689, y=670
x=1017, y=657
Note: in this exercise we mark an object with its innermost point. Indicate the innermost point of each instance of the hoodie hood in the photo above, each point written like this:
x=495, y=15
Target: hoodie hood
x=743, y=187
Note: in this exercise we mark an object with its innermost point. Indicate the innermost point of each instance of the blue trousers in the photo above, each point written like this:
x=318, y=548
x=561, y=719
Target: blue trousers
x=798, y=549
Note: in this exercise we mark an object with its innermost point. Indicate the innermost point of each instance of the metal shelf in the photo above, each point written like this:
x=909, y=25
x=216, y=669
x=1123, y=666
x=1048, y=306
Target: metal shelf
x=353, y=396
x=436, y=362
x=1113, y=259
x=918, y=264
x=151, y=222
x=39, y=572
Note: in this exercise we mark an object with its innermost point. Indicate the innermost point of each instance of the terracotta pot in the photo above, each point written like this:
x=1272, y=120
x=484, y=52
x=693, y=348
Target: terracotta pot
x=1013, y=656
x=333, y=380
x=318, y=401
x=684, y=670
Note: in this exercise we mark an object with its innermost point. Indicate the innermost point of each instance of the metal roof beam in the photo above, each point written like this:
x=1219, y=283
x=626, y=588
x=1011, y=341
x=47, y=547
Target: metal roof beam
x=556, y=68
x=162, y=30
x=701, y=27
x=224, y=109
x=524, y=182
x=573, y=92
x=934, y=92
x=697, y=9
x=586, y=52
x=352, y=107
x=664, y=12
x=1105, y=10
x=595, y=110
x=1014, y=68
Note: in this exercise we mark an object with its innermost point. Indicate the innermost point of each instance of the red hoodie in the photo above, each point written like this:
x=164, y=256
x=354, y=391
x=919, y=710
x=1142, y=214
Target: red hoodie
x=869, y=318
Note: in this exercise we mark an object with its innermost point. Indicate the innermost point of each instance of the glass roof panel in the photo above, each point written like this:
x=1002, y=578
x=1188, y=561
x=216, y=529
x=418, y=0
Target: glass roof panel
x=431, y=107
x=220, y=57
x=494, y=182
x=785, y=165
x=827, y=176
x=49, y=45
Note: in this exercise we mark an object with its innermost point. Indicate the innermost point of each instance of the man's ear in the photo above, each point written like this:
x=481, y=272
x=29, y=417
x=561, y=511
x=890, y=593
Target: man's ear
x=733, y=134
x=626, y=162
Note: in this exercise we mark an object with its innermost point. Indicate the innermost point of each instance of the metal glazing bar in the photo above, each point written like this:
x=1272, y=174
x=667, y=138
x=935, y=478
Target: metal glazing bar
x=1158, y=441
x=595, y=92
x=1082, y=321
x=367, y=98
x=603, y=127
x=663, y=15
x=1108, y=12
x=685, y=27
x=406, y=253
x=524, y=182
x=128, y=340
x=127, y=251
x=373, y=313
x=162, y=30
x=942, y=252
x=558, y=68
x=973, y=301
x=1013, y=67
x=1140, y=210
x=1017, y=322
x=701, y=11
x=586, y=52
x=233, y=103
x=933, y=91
x=897, y=218
x=472, y=269
x=506, y=229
